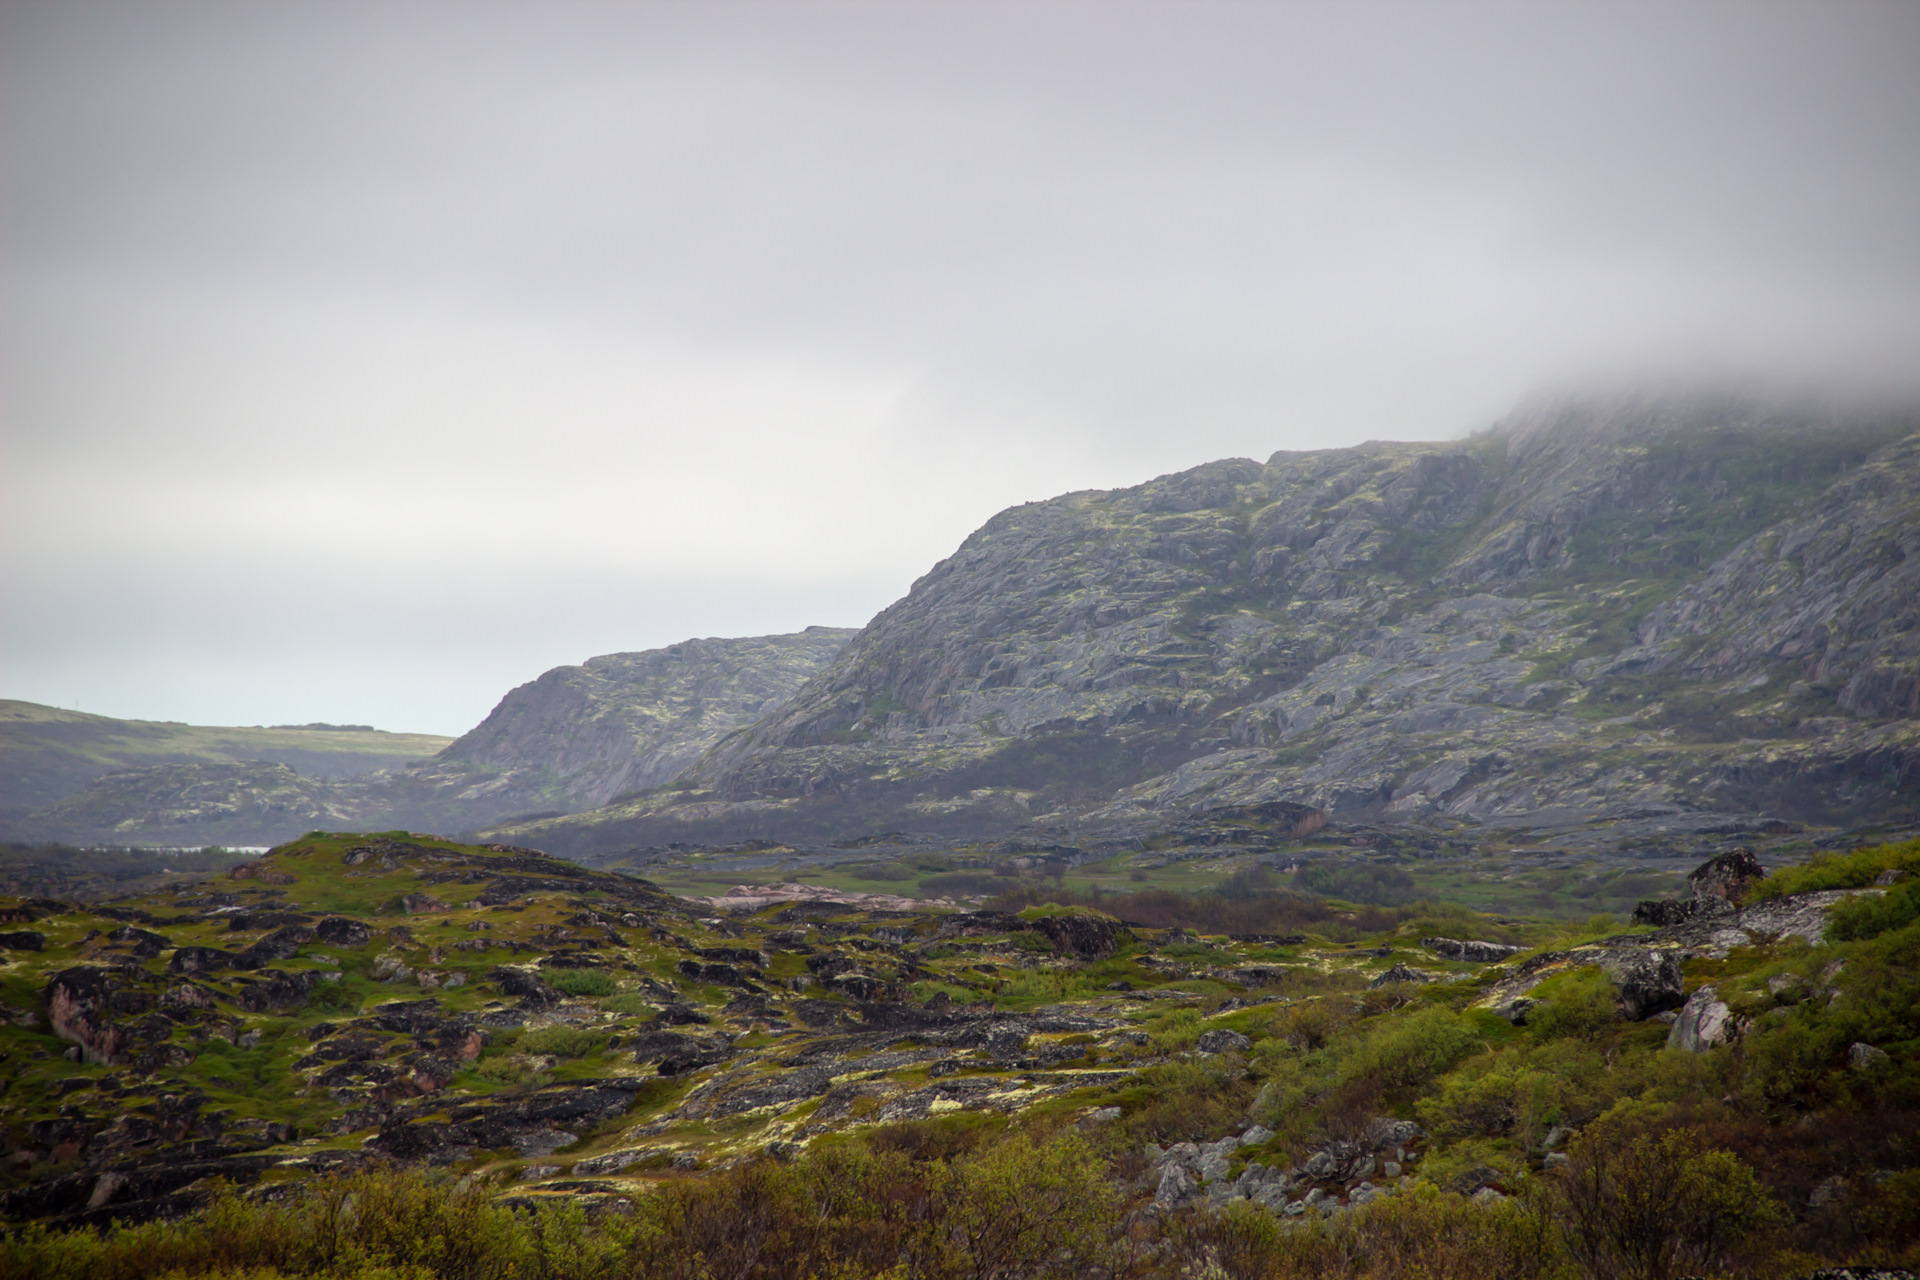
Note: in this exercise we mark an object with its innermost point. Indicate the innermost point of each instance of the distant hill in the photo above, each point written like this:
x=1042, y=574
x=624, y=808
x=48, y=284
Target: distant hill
x=47, y=754
x=575, y=738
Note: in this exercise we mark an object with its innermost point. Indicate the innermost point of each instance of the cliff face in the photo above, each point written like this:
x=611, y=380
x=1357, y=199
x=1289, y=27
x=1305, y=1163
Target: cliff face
x=633, y=721
x=1509, y=629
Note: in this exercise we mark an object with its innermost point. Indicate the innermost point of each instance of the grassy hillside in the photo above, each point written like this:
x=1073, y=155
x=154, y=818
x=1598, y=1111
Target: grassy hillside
x=588, y=1078
x=47, y=753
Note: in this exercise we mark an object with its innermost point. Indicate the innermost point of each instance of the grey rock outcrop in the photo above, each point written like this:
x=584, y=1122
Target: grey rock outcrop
x=1221, y=1040
x=1703, y=1023
x=1478, y=952
x=1378, y=633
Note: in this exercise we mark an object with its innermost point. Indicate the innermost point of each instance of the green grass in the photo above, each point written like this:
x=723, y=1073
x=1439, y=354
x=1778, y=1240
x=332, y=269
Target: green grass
x=1853, y=870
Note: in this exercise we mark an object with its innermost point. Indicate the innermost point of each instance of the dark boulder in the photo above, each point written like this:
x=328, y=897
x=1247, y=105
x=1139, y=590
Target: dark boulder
x=735, y=955
x=1222, y=1040
x=1715, y=887
x=1663, y=913
x=1090, y=937
x=1398, y=974
x=1727, y=877
x=789, y=1087
x=95, y=1008
x=281, y=944
x=1645, y=982
x=725, y=975
x=525, y=984
x=677, y=1053
x=274, y=989
x=341, y=932
x=141, y=943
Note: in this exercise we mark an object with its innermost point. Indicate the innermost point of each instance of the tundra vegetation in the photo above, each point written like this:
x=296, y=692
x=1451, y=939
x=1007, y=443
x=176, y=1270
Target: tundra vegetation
x=399, y=1056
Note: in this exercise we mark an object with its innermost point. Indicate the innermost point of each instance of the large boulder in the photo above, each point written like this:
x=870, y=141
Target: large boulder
x=1727, y=877
x=1714, y=888
x=1704, y=1022
x=1645, y=982
x=677, y=1053
x=1223, y=1040
x=1090, y=937
x=281, y=944
x=340, y=932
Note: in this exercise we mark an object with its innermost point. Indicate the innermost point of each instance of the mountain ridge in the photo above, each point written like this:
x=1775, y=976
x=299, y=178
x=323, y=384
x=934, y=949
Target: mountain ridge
x=1388, y=631
x=1600, y=620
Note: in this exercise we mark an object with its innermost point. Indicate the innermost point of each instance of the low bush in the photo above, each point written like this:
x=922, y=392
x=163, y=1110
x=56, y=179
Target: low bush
x=582, y=982
x=1852, y=870
x=558, y=1041
x=1870, y=915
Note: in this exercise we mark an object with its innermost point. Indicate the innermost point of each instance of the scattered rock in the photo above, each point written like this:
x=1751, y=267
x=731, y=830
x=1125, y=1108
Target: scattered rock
x=1864, y=1057
x=1702, y=1024
x=341, y=932
x=1223, y=1040
x=1398, y=974
x=1474, y=951
x=1645, y=983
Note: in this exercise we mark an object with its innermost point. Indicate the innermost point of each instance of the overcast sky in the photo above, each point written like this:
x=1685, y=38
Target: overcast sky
x=362, y=360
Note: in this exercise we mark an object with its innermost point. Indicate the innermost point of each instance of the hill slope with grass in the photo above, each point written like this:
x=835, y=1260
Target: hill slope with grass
x=1396, y=1088
x=47, y=753
x=575, y=738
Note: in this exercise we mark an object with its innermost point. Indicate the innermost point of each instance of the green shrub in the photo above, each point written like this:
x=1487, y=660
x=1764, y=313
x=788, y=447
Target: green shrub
x=1581, y=1003
x=1854, y=870
x=558, y=1041
x=630, y=1003
x=512, y=1069
x=1412, y=1050
x=1638, y=1199
x=582, y=982
x=1870, y=915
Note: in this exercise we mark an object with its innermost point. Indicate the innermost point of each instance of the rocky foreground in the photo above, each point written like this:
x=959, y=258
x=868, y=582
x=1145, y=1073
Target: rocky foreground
x=349, y=1001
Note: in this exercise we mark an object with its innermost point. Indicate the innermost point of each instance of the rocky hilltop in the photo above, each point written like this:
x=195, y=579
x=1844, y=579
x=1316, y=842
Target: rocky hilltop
x=1618, y=617
x=575, y=738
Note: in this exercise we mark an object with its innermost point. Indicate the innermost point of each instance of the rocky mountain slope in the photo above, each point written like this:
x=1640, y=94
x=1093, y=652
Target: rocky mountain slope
x=576, y=737
x=1601, y=619
x=47, y=753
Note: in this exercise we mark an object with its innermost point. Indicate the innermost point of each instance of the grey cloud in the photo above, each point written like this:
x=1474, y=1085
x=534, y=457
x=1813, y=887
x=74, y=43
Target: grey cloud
x=1024, y=248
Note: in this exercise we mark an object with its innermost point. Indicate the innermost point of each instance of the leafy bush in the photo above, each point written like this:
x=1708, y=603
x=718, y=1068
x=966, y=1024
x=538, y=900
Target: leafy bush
x=1854, y=870
x=1870, y=915
x=582, y=982
x=630, y=1003
x=1644, y=1203
x=558, y=1041
x=1412, y=1050
x=1366, y=882
x=1580, y=1003
x=510, y=1069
